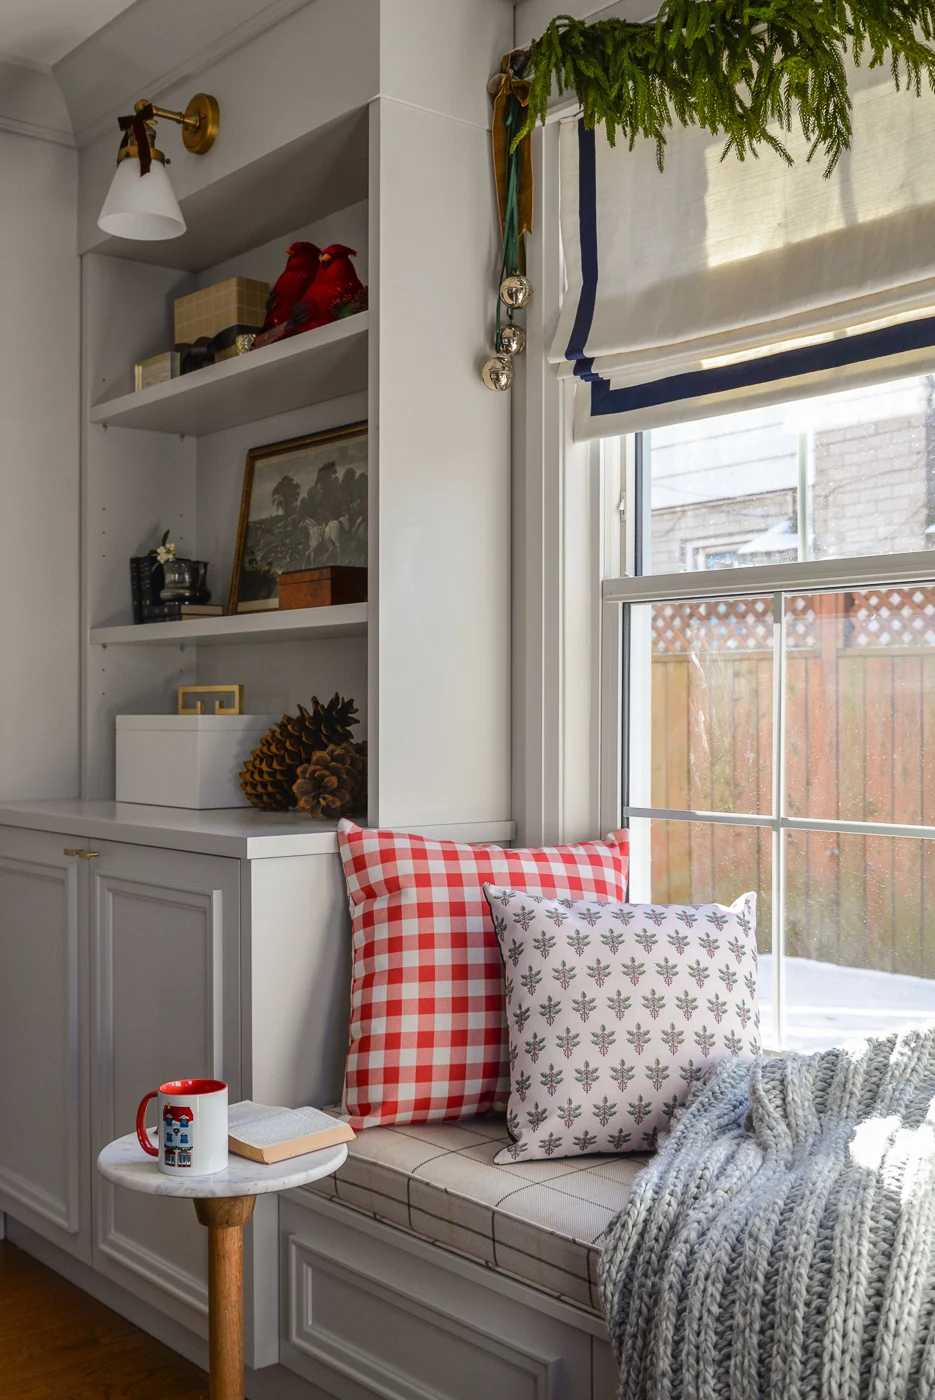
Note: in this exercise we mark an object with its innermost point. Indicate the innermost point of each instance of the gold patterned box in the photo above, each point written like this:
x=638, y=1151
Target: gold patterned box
x=239, y=301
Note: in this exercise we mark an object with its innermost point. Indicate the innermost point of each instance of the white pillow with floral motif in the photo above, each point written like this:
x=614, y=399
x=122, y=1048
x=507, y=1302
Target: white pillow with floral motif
x=613, y=1010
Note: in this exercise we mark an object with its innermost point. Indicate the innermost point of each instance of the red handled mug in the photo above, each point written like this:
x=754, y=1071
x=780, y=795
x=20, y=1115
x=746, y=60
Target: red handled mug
x=192, y=1127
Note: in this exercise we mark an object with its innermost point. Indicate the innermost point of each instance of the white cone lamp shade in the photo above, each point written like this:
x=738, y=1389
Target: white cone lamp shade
x=141, y=206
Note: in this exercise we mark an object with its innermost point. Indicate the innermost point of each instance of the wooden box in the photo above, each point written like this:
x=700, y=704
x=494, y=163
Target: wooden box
x=239, y=301
x=320, y=588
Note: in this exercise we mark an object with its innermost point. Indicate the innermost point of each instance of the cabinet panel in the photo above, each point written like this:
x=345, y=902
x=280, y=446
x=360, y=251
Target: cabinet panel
x=166, y=1005
x=368, y=1306
x=44, y=1175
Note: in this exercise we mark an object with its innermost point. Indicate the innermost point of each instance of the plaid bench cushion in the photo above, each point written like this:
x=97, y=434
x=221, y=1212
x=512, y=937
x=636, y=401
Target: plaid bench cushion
x=542, y=1222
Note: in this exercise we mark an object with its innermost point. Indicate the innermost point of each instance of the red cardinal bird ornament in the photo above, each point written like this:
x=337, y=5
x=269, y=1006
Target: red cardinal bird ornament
x=302, y=261
x=336, y=292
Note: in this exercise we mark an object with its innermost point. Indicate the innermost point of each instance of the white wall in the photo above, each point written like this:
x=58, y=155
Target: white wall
x=39, y=469
x=532, y=16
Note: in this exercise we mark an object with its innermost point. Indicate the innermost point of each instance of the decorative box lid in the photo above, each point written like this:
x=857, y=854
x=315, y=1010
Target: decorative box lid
x=323, y=574
x=234, y=724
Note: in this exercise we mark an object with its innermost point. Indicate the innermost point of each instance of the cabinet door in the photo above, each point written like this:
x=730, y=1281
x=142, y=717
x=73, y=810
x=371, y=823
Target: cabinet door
x=165, y=959
x=44, y=1094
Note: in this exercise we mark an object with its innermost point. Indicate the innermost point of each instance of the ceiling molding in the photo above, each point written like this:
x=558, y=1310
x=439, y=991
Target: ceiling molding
x=18, y=61
x=105, y=75
x=36, y=131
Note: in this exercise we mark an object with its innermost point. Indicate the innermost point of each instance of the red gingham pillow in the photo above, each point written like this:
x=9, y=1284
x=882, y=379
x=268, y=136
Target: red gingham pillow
x=428, y=1032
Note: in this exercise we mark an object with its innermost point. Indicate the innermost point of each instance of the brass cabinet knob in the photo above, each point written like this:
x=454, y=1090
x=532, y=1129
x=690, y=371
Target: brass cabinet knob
x=84, y=855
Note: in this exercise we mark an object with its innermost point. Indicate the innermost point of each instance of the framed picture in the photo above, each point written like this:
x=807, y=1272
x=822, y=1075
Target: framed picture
x=304, y=506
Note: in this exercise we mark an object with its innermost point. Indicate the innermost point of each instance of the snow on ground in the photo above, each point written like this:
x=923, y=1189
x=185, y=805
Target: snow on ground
x=829, y=1005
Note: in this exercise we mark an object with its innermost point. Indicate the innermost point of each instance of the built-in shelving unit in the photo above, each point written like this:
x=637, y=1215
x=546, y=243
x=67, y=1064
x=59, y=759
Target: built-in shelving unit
x=295, y=624
x=426, y=659
x=310, y=368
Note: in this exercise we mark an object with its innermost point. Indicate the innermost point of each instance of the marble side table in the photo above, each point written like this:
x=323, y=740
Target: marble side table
x=224, y=1203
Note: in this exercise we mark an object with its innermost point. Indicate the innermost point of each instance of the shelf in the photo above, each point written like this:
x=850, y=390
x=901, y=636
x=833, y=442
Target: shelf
x=295, y=624
x=321, y=364
x=241, y=832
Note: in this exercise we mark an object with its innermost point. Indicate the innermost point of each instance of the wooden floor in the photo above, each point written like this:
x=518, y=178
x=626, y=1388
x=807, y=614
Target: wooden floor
x=57, y=1343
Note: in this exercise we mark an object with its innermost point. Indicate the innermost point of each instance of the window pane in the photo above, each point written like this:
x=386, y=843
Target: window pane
x=860, y=936
x=712, y=679
x=860, y=705
x=711, y=863
x=825, y=478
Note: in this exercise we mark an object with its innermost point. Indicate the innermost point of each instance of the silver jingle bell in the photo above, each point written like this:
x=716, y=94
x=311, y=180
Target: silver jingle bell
x=515, y=291
x=512, y=340
x=497, y=373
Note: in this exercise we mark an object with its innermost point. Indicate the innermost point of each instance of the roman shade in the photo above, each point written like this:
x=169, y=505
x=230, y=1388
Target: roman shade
x=723, y=284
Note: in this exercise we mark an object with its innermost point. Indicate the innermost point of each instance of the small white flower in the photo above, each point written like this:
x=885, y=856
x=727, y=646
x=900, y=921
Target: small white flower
x=165, y=552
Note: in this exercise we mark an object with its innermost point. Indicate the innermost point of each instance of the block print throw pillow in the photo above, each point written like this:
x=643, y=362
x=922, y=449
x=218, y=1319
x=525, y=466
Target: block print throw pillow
x=428, y=1035
x=613, y=1010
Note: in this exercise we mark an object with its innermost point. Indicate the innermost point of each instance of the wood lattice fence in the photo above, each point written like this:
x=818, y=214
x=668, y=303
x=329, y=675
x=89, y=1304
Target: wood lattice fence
x=860, y=727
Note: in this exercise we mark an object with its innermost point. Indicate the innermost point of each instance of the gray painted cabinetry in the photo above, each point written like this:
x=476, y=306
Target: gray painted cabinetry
x=117, y=971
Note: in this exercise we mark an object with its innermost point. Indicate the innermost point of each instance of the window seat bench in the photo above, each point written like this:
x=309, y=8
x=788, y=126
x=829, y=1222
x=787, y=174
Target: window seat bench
x=421, y=1269
x=540, y=1222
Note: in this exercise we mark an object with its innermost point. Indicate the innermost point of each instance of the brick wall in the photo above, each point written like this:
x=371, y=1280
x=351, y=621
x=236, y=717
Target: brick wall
x=870, y=497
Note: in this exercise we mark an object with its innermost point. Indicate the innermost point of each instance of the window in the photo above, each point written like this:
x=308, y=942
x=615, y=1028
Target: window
x=779, y=708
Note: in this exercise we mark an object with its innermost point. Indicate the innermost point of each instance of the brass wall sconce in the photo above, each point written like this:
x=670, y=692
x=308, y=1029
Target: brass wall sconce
x=140, y=203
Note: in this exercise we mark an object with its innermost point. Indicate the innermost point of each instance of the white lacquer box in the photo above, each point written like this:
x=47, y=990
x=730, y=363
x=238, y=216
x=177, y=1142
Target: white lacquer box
x=186, y=760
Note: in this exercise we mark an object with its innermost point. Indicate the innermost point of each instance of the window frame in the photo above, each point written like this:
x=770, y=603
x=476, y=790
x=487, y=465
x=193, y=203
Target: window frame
x=626, y=700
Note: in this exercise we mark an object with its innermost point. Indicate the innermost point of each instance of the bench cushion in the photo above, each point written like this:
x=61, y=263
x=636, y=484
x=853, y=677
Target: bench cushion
x=541, y=1222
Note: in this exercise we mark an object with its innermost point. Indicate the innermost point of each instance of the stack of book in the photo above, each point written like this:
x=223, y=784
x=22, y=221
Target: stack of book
x=146, y=583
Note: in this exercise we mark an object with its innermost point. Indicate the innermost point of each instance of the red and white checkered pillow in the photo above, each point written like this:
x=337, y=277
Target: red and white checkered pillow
x=428, y=1034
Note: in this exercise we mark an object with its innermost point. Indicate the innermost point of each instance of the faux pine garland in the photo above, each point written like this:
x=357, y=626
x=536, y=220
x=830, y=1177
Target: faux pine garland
x=733, y=68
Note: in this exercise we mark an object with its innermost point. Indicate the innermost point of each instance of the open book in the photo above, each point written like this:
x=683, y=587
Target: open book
x=267, y=1134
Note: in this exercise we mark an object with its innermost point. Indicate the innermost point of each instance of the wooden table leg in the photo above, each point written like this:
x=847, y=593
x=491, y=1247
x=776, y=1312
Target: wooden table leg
x=225, y=1217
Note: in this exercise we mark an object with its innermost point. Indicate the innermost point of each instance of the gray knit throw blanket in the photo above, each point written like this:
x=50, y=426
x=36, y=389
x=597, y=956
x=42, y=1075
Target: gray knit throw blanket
x=781, y=1245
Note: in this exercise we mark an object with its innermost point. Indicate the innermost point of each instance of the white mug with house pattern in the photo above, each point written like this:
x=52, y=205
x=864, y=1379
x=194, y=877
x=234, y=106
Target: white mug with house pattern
x=191, y=1129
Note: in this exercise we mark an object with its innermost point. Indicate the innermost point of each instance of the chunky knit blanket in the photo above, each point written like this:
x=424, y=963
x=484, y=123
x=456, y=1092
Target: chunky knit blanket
x=781, y=1245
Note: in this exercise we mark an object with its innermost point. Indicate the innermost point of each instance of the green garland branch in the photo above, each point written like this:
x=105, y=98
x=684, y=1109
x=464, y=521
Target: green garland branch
x=735, y=69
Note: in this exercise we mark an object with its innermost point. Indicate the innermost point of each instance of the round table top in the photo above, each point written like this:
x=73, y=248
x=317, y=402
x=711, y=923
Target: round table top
x=126, y=1164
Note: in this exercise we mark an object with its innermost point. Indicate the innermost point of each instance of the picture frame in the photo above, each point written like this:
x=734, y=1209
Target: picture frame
x=303, y=505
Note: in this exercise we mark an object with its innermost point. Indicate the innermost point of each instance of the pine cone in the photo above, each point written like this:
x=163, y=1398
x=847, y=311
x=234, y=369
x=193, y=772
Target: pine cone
x=269, y=775
x=333, y=783
x=331, y=723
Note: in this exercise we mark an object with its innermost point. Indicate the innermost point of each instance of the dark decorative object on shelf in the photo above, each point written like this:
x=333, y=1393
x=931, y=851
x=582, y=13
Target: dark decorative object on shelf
x=146, y=583
x=270, y=774
x=334, y=782
x=302, y=261
x=322, y=588
x=164, y=587
x=185, y=581
x=314, y=289
x=304, y=506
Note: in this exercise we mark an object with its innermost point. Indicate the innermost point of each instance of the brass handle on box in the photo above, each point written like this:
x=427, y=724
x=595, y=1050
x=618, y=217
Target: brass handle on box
x=84, y=855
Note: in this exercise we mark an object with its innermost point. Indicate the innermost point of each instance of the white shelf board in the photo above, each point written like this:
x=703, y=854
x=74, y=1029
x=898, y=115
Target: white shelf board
x=322, y=364
x=294, y=624
x=241, y=832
